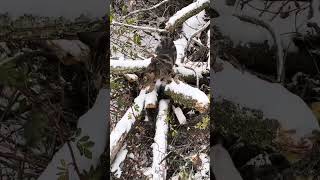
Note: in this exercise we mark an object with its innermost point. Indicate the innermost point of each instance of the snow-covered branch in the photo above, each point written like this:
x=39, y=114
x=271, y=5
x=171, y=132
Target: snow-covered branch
x=185, y=13
x=196, y=33
x=189, y=72
x=120, y=132
x=187, y=96
x=159, y=170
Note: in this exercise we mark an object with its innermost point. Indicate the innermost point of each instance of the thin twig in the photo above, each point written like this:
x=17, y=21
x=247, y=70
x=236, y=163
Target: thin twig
x=143, y=10
x=196, y=33
x=139, y=27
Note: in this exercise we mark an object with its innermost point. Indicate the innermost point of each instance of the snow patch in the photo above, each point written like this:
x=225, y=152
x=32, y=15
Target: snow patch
x=222, y=164
x=275, y=101
x=93, y=124
x=121, y=156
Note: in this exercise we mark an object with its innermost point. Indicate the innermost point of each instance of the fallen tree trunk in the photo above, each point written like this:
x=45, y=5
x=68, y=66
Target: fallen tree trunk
x=120, y=132
x=159, y=169
x=189, y=72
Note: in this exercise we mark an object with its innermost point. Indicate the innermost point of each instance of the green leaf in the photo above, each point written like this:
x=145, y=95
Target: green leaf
x=130, y=21
x=115, y=49
x=137, y=39
x=87, y=154
x=89, y=144
x=63, y=162
x=78, y=132
x=111, y=18
x=84, y=138
x=124, y=9
x=61, y=168
x=63, y=177
x=61, y=173
x=80, y=148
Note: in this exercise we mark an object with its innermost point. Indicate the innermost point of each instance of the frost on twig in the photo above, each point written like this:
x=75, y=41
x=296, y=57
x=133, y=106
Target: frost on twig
x=160, y=142
x=187, y=96
x=120, y=132
x=185, y=13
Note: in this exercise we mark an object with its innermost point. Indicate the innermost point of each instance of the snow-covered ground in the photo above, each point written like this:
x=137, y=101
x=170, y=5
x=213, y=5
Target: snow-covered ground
x=93, y=124
x=275, y=101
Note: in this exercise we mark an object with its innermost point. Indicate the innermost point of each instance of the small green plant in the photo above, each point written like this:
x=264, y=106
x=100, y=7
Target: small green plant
x=137, y=39
x=63, y=174
x=130, y=21
x=174, y=132
x=204, y=123
x=83, y=144
x=35, y=128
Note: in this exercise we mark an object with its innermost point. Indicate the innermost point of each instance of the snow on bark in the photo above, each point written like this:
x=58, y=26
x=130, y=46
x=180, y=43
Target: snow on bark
x=193, y=24
x=192, y=70
x=159, y=171
x=93, y=124
x=187, y=96
x=180, y=16
x=189, y=27
x=187, y=70
x=275, y=101
x=129, y=63
x=121, y=130
x=222, y=165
